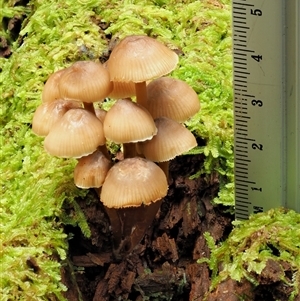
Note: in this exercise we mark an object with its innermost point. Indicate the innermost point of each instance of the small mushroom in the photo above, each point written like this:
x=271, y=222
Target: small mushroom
x=172, y=139
x=127, y=123
x=132, y=193
x=78, y=133
x=85, y=81
x=172, y=98
x=51, y=90
x=48, y=113
x=138, y=58
x=91, y=170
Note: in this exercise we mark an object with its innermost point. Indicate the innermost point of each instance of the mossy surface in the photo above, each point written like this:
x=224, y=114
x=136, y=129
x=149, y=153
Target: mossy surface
x=274, y=235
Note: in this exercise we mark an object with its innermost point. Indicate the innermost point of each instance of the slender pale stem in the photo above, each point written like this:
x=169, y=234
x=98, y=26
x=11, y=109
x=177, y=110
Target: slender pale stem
x=89, y=107
x=104, y=150
x=165, y=167
x=141, y=93
x=129, y=150
x=129, y=226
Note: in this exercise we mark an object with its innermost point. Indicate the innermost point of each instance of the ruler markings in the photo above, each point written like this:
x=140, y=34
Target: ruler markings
x=247, y=95
x=243, y=206
x=243, y=162
x=248, y=139
x=241, y=22
x=242, y=116
x=243, y=4
x=242, y=195
x=242, y=72
x=241, y=67
x=239, y=26
x=246, y=50
x=244, y=181
x=242, y=8
x=239, y=151
x=242, y=186
x=257, y=40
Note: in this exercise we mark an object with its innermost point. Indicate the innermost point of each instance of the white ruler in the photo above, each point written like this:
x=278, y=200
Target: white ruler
x=266, y=60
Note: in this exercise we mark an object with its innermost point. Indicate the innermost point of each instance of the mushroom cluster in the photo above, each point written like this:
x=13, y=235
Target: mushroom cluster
x=150, y=129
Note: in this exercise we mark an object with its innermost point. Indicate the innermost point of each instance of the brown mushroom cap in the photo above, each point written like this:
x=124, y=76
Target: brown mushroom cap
x=91, y=170
x=133, y=182
x=172, y=98
x=138, y=58
x=172, y=139
x=78, y=133
x=48, y=113
x=127, y=122
x=51, y=90
x=85, y=81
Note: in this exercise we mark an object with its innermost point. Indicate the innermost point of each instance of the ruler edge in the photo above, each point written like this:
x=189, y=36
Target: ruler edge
x=288, y=199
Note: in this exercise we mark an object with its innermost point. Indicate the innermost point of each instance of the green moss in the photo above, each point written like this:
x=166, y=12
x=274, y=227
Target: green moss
x=273, y=235
x=35, y=185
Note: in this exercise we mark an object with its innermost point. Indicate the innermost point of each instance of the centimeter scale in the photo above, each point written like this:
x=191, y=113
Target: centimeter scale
x=266, y=63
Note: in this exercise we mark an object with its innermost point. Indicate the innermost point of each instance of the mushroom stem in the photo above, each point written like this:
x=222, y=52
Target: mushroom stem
x=89, y=107
x=129, y=226
x=129, y=150
x=141, y=93
x=165, y=167
x=104, y=150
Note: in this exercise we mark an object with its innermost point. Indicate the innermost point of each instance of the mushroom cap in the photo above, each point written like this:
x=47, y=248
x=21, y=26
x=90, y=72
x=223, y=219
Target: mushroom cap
x=127, y=122
x=133, y=182
x=172, y=98
x=91, y=170
x=48, y=113
x=85, y=81
x=77, y=134
x=138, y=58
x=51, y=91
x=172, y=139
